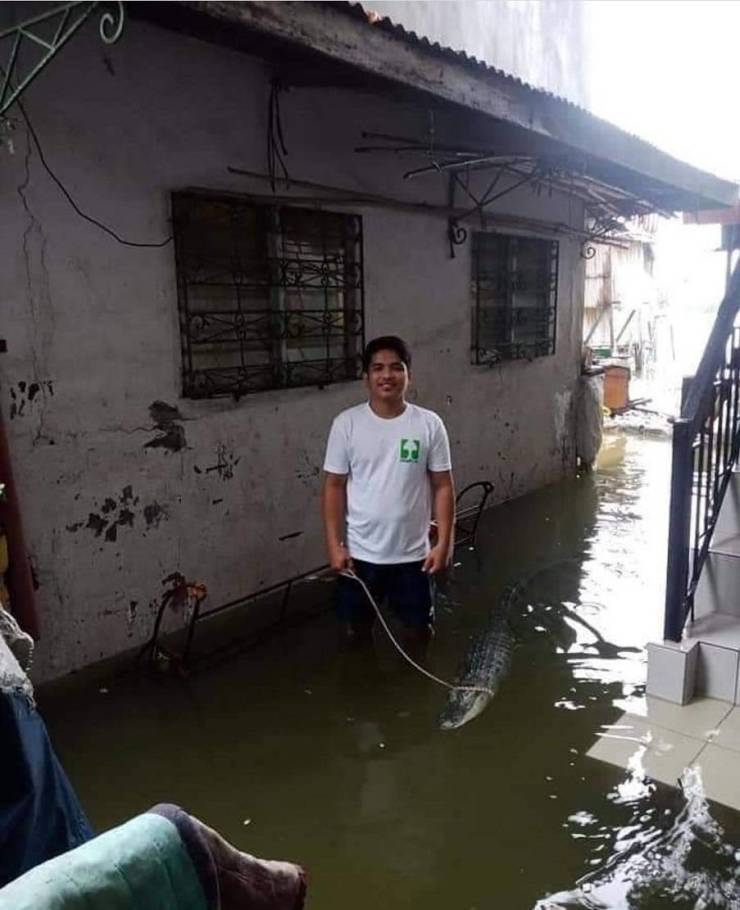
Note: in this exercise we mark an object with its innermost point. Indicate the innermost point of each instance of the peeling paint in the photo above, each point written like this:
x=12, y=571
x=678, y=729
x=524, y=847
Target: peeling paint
x=171, y=434
x=106, y=519
x=155, y=513
x=23, y=394
x=96, y=524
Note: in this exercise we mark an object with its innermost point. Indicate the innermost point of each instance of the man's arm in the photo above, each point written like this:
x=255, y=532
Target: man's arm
x=443, y=510
x=333, y=509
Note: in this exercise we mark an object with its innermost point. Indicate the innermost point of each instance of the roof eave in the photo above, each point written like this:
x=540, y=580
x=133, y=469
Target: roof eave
x=337, y=32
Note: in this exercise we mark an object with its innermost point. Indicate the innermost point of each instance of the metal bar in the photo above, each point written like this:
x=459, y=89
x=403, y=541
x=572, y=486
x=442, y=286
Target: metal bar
x=708, y=501
x=680, y=511
x=718, y=441
x=346, y=195
x=735, y=372
x=191, y=632
x=601, y=313
x=60, y=28
x=624, y=327
x=61, y=40
x=8, y=72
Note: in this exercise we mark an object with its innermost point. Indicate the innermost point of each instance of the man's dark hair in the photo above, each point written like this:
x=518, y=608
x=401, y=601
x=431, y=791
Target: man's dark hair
x=386, y=343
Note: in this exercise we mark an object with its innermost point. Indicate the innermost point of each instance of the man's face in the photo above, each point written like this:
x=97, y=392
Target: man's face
x=387, y=377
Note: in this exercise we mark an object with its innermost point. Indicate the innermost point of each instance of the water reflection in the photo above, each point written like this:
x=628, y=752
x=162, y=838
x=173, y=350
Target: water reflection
x=659, y=857
x=339, y=762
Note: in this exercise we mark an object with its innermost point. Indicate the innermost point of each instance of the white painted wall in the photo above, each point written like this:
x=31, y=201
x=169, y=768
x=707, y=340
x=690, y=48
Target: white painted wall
x=94, y=324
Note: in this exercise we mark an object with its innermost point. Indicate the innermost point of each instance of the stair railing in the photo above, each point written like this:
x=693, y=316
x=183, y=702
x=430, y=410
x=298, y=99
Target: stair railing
x=706, y=441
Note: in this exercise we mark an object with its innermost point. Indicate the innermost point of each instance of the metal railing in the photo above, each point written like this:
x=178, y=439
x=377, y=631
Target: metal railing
x=706, y=440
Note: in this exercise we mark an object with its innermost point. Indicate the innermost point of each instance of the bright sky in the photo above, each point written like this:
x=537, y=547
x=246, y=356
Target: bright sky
x=667, y=71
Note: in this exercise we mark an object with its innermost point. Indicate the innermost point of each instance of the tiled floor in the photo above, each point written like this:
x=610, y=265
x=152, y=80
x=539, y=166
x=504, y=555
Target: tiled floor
x=670, y=738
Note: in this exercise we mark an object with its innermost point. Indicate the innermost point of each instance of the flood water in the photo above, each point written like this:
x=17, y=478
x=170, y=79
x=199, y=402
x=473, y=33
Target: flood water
x=297, y=750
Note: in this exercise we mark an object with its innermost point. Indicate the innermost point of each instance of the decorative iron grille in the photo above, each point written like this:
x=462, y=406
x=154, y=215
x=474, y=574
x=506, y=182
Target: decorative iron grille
x=269, y=296
x=515, y=291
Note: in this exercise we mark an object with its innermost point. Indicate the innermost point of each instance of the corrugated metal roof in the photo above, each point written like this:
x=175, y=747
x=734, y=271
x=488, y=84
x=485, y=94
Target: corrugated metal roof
x=384, y=23
x=358, y=11
x=613, y=156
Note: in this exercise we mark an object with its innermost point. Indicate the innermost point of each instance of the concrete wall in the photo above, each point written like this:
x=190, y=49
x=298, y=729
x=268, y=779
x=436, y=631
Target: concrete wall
x=93, y=339
x=544, y=42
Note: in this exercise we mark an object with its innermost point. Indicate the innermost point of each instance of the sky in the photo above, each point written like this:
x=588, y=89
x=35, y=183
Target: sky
x=666, y=70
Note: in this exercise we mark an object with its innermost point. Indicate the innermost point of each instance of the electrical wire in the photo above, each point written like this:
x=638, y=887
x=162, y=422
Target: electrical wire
x=68, y=196
x=348, y=573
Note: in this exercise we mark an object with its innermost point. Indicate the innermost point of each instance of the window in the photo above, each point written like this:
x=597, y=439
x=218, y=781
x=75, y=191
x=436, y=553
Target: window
x=270, y=296
x=514, y=288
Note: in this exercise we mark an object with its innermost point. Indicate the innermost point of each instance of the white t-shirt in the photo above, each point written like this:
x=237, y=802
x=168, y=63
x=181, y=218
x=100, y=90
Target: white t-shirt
x=389, y=499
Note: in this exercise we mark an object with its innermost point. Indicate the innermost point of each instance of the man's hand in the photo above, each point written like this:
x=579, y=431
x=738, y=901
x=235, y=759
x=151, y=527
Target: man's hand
x=437, y=558
x=339, y=558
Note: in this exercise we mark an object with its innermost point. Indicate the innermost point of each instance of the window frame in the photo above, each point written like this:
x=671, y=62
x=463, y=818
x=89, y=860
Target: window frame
x=273, y=326
x=544, y=346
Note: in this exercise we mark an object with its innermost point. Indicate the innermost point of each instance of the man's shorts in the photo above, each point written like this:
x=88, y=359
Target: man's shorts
x=407, y=590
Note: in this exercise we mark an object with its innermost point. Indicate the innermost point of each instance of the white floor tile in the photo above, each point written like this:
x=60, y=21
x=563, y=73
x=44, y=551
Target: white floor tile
x=664, y=753
x=699, y=719
x=728, y=736
x=720, y=771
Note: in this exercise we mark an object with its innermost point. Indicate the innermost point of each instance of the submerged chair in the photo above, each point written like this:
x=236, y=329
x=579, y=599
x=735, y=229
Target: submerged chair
x=469, y=506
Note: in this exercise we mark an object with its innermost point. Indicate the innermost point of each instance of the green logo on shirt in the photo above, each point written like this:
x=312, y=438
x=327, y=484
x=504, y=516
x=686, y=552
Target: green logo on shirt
x=410, y=449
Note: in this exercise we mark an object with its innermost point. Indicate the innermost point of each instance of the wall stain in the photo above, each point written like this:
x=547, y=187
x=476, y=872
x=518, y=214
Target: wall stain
x=155, y=513
x=171, y=436
x=226, y=461
x=22, y=394
x=121, y=513
x=96, y=524
x=309, y=472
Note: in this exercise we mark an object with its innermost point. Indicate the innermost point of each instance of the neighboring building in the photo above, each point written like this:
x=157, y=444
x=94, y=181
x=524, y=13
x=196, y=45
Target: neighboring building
x=622, y=299
x=167, y=403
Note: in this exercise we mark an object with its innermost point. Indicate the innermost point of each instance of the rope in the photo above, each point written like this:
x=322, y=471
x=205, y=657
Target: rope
x=348, y=573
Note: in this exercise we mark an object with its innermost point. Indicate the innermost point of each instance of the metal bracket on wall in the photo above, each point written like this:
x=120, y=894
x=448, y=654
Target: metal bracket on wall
x=34, y=43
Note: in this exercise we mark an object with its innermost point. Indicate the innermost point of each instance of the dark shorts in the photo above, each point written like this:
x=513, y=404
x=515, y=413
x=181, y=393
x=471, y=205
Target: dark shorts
x=407, y=590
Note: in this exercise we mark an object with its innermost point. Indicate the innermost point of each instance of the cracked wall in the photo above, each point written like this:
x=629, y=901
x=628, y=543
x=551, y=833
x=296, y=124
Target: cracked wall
x=121, y=481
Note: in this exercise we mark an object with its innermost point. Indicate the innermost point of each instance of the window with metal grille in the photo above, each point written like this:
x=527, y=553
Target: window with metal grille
x=270, y=296
x=514, y=290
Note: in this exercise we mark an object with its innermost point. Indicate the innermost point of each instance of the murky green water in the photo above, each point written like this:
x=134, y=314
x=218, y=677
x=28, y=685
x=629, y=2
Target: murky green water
x=297, y=750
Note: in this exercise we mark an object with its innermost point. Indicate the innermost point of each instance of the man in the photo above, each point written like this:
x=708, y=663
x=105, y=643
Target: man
x=387, y=471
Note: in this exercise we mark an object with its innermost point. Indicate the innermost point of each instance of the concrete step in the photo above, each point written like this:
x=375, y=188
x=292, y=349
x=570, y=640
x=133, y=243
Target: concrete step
x=726, y=538
x=706, y=663
x=719, y=586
